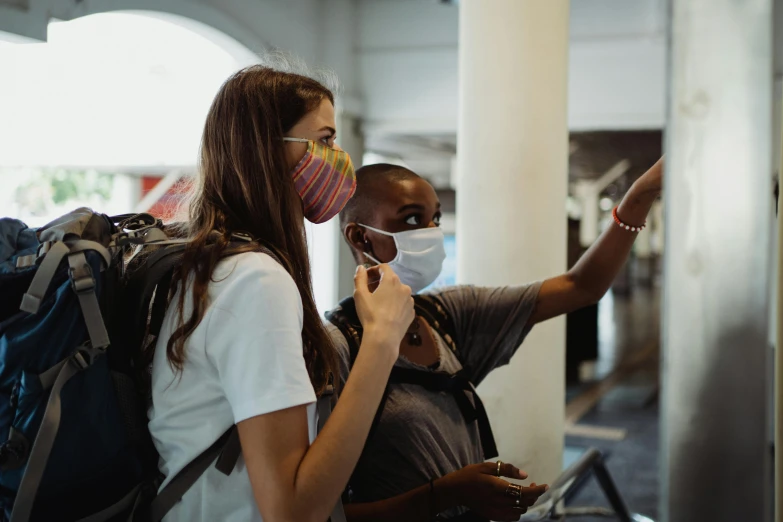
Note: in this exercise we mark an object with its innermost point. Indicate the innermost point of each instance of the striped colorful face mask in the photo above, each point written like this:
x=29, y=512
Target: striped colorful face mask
x=325, y=180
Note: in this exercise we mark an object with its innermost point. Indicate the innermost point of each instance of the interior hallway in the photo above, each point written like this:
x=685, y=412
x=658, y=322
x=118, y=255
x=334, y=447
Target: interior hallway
x=618, y=412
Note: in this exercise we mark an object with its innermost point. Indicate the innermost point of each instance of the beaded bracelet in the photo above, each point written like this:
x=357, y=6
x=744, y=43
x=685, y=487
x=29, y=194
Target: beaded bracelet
x=625, y=226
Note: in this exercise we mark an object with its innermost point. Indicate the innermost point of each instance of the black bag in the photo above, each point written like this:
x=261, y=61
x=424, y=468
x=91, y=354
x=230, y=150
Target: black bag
x=74, y=443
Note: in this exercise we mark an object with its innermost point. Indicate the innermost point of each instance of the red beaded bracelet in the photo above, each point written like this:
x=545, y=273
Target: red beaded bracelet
x=627, y=227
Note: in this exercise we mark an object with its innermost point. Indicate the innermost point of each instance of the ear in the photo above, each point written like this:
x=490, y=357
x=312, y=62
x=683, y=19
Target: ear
x=356, y=238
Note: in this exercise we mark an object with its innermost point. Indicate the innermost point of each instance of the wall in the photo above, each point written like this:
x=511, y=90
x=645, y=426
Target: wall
x=320, y=32
x=407, y=52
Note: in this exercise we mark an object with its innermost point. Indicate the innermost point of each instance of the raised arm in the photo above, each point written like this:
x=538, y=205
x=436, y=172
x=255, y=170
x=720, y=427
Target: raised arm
x=594, y=273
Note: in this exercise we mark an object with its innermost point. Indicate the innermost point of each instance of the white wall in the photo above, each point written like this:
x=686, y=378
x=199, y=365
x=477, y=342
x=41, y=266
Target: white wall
x=322, y=32
x=408, y=65
x=256, y=24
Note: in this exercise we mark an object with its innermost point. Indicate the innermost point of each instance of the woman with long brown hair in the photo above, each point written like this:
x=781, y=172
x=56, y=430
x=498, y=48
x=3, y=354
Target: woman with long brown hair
x=242, y=342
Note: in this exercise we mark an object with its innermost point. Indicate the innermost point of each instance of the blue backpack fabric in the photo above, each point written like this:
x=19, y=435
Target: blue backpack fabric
x=56, y=370
x=82, y=301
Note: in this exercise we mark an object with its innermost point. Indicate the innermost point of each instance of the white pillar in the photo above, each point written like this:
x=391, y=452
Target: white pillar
x=511, y=223
x=589, y=224
x=351, y=140
x=714, y=458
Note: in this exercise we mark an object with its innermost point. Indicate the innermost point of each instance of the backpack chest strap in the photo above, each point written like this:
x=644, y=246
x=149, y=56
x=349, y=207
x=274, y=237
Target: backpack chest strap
x=460, y=386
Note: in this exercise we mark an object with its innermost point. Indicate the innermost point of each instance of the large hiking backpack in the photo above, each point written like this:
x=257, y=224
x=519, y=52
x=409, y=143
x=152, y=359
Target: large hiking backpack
x=346, y=319
x=74, y=443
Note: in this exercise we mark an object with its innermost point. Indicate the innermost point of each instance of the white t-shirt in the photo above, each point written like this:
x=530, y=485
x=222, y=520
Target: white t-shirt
x=244, y=359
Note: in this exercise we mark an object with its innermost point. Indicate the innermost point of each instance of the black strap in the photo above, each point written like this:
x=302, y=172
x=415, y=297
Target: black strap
x=346, y=319
x=159, y=303
x=125, y=504
x=460, y=386
x=226, y=451
x=430, y=307
x=324, y=407
x=182, y=481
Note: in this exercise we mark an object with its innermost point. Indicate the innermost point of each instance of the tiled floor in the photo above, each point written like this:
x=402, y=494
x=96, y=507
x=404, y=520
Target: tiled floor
x=629, y=341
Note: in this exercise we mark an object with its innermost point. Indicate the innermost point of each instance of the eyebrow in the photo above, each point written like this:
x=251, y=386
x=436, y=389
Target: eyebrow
x=332, y=130
x=413, y=206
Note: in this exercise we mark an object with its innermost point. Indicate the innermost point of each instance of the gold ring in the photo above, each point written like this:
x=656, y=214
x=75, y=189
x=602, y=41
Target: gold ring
x=514, y=491
x=500, y=463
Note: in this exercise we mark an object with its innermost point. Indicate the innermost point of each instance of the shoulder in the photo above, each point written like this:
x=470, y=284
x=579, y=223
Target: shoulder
x=457, y=297
x=451, y=297
x=250, y=263
x=252, y=277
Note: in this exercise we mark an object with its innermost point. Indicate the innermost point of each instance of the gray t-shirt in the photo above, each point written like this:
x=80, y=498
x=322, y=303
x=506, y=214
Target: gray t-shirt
x=422, y=434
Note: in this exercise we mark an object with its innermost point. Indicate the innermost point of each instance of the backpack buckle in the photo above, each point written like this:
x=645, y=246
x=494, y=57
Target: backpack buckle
x=14, y=451
x=82, y=280
x=87, y=355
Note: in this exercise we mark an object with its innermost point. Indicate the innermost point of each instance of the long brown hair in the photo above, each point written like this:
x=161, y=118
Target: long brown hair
x=245, y=185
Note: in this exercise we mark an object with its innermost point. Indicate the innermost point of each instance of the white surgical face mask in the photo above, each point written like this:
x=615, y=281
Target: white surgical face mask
x=420, y=255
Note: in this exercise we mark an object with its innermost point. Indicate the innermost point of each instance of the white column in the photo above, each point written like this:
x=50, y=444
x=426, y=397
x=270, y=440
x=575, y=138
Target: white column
x=715, y=464
x=589, y=224
x=351, y=140
x=511, y=224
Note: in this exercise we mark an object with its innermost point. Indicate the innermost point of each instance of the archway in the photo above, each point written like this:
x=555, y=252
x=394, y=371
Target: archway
x=108, y=113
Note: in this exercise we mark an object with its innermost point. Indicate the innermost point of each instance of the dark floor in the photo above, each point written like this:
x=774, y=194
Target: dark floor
x=629, y=350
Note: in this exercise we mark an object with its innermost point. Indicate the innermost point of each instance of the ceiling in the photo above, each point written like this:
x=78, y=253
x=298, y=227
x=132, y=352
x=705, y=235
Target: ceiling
x=592, y=153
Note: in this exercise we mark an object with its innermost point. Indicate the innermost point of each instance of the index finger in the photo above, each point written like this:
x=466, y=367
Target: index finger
x=511, y=471
x=534, y=490
x=360, y=281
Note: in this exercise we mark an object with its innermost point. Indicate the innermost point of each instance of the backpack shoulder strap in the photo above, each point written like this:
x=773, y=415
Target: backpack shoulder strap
x=324, y=407
x=182, y=481
x=346, y=319
x=433, y=311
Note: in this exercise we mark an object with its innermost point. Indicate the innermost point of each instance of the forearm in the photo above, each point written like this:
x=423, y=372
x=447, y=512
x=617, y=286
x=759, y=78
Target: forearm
x=417, y=505
x=594, y=273
x=326, y=467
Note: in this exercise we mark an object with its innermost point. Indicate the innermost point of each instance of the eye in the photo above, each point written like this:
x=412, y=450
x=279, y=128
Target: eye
x=436, y=218
x=413, y=220
x=328, y=140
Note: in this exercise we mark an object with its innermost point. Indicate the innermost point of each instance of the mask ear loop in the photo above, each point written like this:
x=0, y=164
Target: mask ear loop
x=367, y=244
x=368, y=256
x=372, y=259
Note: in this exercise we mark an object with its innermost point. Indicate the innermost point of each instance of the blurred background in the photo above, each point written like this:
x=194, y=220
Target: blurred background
x=102, y=104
